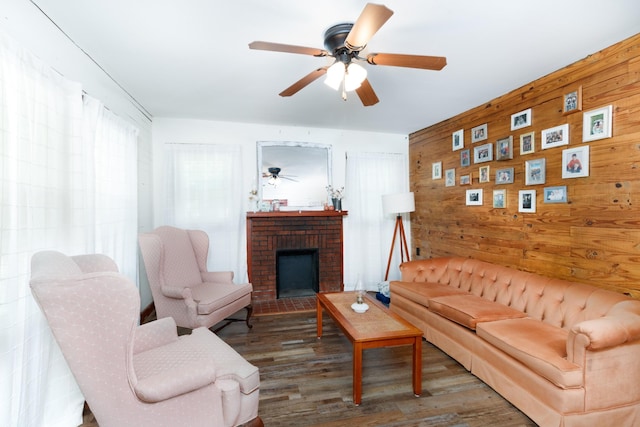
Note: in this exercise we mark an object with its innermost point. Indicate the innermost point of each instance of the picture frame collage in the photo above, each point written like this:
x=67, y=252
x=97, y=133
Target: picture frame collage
x=597, y=124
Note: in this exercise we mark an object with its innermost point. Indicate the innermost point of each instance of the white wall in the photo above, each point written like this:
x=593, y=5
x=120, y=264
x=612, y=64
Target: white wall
x=167, y=130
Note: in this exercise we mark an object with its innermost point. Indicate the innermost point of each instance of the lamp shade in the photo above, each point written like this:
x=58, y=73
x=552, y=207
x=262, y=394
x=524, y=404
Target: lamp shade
x=398, y=203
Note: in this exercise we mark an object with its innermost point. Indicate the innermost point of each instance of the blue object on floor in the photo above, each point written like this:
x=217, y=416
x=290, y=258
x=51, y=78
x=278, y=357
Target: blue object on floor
x=384, y=299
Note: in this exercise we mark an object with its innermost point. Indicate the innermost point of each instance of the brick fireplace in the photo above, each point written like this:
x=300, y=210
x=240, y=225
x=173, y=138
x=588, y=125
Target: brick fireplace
x=270, y=232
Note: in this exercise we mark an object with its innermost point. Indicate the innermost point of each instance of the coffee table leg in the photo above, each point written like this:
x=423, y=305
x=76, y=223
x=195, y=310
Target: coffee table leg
x=357, y=373
x=417, y=366
x=319, y=317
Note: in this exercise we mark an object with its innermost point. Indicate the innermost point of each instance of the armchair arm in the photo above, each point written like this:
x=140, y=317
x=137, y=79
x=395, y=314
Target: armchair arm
x=172, y=291
x=187, y=377
x=217, y=276
x=155, y=334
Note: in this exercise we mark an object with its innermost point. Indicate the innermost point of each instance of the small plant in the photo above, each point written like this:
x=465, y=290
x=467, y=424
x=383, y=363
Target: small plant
x=335, y=193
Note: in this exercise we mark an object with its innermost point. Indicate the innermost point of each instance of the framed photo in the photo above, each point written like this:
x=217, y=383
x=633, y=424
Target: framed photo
x=521, y=119
x=572, y=101
x=483, y=153
x=527, y=143
x=504, y=148
x=465, y=158
x=504, y=176
x=596, y=124
x=457, y=139
x=500, y=199
x=436, y=170
x=474, y=197
x=479, y=133
x=555, y=194
x=535, y=172
x=483, y=174
x=450, y=178
x=556, y=136
x=575, y=162
x=465, y=180
x=527, y=201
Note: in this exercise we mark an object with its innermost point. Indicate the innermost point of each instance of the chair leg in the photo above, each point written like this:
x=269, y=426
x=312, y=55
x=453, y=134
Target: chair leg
x=249, y=312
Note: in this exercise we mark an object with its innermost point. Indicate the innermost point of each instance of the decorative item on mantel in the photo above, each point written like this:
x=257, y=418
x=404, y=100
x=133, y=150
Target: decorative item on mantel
x=336, y=195
x=359, y=306
x=253, y=200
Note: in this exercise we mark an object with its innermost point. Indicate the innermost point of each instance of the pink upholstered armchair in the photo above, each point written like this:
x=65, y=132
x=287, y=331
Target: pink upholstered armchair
x=138, y=375
x=176, y=264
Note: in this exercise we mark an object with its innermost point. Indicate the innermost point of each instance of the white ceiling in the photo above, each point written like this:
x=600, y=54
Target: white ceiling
x=190, y=59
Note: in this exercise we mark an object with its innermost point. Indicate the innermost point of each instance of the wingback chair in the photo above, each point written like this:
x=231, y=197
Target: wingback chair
x=134, y=375
x=176, y=264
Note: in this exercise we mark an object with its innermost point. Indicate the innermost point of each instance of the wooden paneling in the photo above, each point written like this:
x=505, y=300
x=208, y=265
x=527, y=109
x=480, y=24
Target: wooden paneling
x=593, y=238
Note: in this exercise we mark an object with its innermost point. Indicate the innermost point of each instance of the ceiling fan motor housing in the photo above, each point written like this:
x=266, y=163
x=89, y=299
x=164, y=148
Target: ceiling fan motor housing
x=334, y=41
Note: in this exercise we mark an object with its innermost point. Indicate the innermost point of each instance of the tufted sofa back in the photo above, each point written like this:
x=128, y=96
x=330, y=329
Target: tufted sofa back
x=561, y=303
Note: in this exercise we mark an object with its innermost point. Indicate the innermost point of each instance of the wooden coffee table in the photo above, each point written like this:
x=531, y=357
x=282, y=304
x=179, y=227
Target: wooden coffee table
x=377, y=327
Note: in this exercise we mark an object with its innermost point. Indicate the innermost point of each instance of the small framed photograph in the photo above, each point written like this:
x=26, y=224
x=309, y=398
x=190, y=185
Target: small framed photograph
x=555, y=194
x=500, y=199
x=436, y=170
x=527, y=143
x=457, y=139
x=483, y=174
x=474, y=197
x=575, y=162
x=596, y=124
x=535, y=171
x=465, y=180
x=572, y=101
x=504, y=148
x=555, y=137
x=450, y=178
x=527, y=201
x=479, y=133
x=521, y=119
x=504, y=176
x=465, y=158
x=483, y=153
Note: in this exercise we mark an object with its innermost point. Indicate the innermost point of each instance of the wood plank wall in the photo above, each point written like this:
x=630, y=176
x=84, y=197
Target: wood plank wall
x=593, y=238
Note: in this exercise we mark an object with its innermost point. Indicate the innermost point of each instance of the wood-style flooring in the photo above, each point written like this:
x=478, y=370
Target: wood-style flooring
x=305, y=381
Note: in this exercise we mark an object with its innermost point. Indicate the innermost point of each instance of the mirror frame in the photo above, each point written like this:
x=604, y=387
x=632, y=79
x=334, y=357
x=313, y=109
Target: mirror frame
x=293, y=145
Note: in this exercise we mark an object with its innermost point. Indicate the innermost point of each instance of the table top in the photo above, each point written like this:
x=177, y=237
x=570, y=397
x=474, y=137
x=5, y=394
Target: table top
x=377, y=323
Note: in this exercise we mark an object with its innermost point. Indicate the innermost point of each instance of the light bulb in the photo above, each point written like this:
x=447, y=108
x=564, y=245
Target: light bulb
x=335, y=75
x=354, y=77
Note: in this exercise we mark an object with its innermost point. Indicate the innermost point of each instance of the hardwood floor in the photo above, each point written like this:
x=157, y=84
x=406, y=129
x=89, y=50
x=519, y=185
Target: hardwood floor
x=308, y=382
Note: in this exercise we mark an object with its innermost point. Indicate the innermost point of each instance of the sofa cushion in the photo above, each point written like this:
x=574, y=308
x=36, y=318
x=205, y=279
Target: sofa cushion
x=537, y=345
x=422, y=292
x=469, y=310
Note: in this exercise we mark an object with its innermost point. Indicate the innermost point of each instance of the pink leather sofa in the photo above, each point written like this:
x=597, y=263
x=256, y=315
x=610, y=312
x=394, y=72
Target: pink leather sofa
x=564, y=353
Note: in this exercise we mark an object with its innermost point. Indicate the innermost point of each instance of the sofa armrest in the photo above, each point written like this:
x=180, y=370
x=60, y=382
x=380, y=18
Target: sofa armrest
x=155, y=334
x=189, y=376
x=217, y=276
x=619, y=326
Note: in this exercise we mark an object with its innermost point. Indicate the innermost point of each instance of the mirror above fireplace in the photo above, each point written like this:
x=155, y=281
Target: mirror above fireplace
x=294, y=173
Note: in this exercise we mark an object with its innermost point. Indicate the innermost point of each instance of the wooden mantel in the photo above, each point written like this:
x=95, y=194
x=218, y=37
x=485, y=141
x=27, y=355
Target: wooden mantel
x=269, y=232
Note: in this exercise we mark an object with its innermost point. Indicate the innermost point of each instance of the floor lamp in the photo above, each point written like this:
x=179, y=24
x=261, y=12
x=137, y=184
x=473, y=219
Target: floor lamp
x=398, y=204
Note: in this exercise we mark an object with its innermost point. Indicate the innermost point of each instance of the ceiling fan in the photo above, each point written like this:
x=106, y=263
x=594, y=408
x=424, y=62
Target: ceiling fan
x=274, y=176
x=345, y=42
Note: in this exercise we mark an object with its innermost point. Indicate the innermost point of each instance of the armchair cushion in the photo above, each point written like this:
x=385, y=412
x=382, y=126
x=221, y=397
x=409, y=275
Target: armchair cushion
x=211, y=297
x=180, y=265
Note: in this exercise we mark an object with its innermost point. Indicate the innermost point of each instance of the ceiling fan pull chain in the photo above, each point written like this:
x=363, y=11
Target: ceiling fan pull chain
x=344, y=91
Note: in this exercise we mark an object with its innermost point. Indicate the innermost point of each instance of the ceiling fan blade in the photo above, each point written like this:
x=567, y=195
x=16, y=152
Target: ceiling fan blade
x=366, y=94
x=300, y=84
x=371, y=19
x=287, y=48
x=409, y=61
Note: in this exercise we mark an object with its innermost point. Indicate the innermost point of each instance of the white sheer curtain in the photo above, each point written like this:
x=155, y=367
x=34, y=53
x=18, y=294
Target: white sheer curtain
x=48, y=200
x=368, y=232
x=202, y=194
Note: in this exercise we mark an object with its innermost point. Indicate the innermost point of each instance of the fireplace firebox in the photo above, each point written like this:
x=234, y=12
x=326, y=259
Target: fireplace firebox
x=296, y=272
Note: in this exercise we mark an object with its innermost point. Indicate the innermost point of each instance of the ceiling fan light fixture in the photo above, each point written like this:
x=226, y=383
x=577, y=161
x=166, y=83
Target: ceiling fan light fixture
x=335, y=75
x=354, y=77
